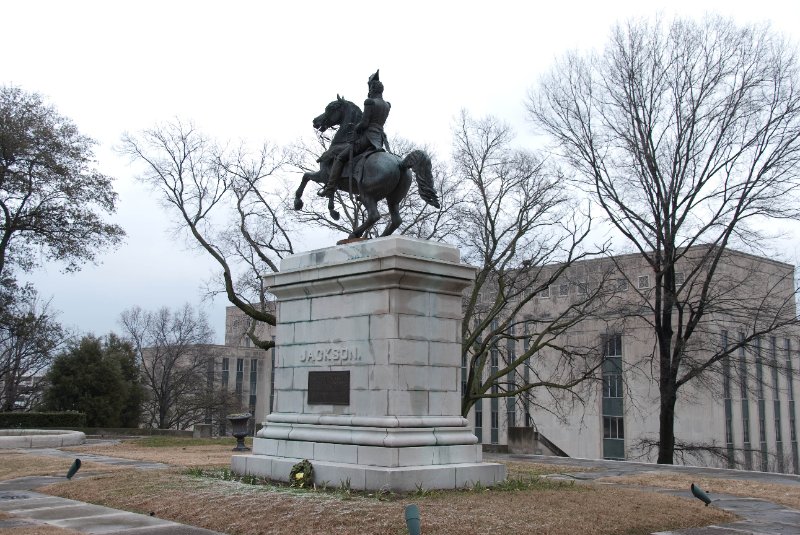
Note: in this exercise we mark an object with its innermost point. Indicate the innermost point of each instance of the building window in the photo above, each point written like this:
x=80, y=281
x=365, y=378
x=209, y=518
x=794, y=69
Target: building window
x=644, y=282
x=726, y=387
x=613, y=346
x=790, y=403
x=239, y=377
x=729, y=434
x=582, y=288
x=748, y=452
x=253, y=384
x=225, y=364
x=776, y=403
x=679, y=279
x=622, y=285
x=746, y=425
x=612, y=385
x=613, y=427
x=613, y=404
x=479, y=419
x=545, y=293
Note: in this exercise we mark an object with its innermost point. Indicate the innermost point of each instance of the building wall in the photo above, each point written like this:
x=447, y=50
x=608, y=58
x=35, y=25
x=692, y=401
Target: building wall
x=701, y=418
x=239, y=346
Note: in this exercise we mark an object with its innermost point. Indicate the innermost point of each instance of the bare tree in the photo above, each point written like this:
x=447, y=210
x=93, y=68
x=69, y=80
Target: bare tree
x=30, y=337
x=687, y=134
x=523, y=232
x=174, y=363
x=227, y=200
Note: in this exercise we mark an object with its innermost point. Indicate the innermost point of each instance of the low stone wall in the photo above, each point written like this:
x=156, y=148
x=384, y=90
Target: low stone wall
x=39, y=438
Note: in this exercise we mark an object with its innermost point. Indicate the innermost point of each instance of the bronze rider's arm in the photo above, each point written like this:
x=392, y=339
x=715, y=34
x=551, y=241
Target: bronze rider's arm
x=364, y=123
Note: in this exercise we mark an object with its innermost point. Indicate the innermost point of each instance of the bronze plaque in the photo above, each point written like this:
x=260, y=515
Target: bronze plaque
x=329, y=388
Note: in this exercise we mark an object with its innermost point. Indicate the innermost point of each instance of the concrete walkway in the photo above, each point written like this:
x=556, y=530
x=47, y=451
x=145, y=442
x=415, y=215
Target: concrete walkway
x=759, y=517
x=33, y=508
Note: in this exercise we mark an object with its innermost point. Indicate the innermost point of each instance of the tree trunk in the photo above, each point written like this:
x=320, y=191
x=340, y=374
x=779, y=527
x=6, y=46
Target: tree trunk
x=666, y=420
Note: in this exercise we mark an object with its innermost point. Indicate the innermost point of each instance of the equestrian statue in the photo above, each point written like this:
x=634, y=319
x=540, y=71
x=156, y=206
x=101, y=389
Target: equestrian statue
x=359, y=162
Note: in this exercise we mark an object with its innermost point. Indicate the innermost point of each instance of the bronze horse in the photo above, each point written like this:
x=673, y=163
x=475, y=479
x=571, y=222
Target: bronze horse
x=385, y=175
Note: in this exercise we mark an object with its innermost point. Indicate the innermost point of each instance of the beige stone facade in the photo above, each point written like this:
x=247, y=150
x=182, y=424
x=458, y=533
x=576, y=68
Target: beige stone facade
x=745, y=407
x=251, y=364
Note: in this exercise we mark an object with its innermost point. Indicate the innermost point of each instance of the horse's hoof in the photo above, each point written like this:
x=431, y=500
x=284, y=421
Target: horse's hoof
x=298, y=204
x=335, y=215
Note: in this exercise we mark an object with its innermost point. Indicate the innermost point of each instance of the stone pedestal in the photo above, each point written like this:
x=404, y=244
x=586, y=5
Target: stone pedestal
x=367, y=370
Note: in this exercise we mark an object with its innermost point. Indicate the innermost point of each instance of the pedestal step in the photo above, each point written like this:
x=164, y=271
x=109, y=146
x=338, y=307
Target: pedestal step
x=368, y=455
x=364, y=477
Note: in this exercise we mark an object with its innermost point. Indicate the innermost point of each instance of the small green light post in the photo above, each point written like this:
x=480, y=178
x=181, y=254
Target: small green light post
x=74, y=468
x=700, y=494
x=413, y=522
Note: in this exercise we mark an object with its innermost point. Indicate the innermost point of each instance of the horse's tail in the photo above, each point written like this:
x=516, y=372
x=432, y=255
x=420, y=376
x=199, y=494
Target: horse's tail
x=419, y=162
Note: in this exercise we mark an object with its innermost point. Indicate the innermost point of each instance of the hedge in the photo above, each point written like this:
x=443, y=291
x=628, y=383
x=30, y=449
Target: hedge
x=35, y=420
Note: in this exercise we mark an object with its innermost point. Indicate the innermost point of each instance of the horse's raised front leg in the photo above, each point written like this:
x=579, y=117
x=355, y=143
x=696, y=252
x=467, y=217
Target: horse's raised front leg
x=334, y=213
x=372, y=216
x=298, y=201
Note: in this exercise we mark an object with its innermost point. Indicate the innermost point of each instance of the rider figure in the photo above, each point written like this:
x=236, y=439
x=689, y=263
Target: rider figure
x=369, y=131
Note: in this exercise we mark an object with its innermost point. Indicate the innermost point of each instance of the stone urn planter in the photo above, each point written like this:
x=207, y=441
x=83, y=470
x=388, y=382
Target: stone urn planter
x=239, y=429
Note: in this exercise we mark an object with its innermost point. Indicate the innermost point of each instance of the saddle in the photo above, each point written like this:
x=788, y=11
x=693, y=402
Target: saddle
x=355, y=168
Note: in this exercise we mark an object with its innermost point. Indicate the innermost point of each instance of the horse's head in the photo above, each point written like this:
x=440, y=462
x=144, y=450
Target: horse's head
x=332, y=116
x=336, y=113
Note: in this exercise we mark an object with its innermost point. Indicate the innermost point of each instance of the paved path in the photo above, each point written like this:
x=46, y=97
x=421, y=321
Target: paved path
x=759, y=517
x=101, y=459
x=31, y=508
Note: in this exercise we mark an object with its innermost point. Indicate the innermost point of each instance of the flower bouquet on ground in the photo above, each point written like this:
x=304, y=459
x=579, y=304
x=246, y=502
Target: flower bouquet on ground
x=302, y=474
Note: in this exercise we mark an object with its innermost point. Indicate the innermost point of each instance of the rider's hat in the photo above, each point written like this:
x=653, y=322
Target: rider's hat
x=374, y=77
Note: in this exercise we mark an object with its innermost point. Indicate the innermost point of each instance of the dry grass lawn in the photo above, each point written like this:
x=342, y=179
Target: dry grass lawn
x=543, y=506
x=201, y=455
x=522, y=470
x=239, y=509
x=782, y=494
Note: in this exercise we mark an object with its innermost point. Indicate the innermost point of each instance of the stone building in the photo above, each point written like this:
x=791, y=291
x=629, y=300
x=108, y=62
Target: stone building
x=230, y=378
x=742, y=414
x=244, y=369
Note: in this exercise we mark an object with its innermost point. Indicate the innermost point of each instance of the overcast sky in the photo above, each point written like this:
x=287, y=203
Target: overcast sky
x=261, y=71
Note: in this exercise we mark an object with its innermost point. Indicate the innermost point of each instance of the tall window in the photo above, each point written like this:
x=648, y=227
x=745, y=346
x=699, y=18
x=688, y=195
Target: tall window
x=239, y=377
x=792, y=421
x=776, y=402
x=743, y=389
x=511, y=412
x=612, y=395
x=253, y=385
x=494, y=405
x=526, y=376
x=225, y=365
x=726, y=387
x=762, y=409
